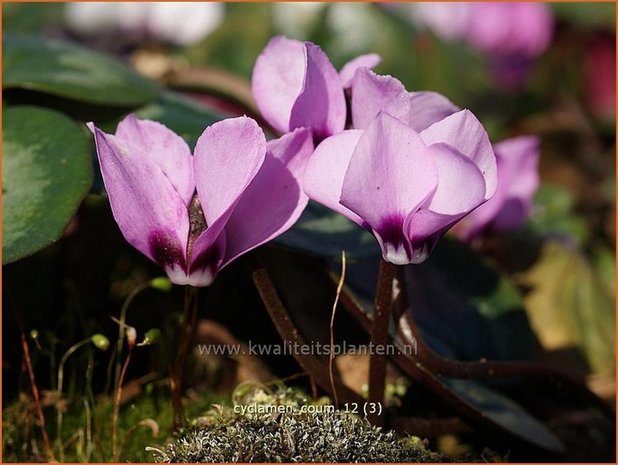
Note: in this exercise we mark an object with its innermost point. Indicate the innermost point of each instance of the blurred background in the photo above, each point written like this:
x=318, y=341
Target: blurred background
x=543, y=290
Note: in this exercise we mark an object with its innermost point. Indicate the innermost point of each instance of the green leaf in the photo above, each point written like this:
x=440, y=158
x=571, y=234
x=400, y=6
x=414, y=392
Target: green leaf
x=67, y=70
x=47, y=170
x=467, y=309
x=323, y=232
x=180, y=114
x=31, y=17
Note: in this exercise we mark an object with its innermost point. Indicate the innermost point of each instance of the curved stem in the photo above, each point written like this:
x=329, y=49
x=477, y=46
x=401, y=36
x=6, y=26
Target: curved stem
x=291, y=336
x=63, y=360
x=379, y=336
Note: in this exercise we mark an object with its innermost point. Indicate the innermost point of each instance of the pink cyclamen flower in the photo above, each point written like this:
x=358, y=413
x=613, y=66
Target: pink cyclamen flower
x=511, y=34
x=407, y=187
x=295, y=85
x=518, y=180
x=247, y=191
x=496, y=28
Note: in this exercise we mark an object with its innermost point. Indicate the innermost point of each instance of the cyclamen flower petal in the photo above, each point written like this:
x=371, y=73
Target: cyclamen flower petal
x=295, y=85
x=247, y=191
x=428, y=107
x=151, y=214
x=518, y=180
x=391, y=173
x=164, y=147
x=321, y=102
x=407, y=188
x=372, y=93
x=371, y=60
x=466, y=134
x=274, y=200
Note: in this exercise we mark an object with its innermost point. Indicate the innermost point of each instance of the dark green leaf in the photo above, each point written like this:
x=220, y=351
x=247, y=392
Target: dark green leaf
x=465, y=307
x=71, y=71
x=46, y=172
x=507, y=413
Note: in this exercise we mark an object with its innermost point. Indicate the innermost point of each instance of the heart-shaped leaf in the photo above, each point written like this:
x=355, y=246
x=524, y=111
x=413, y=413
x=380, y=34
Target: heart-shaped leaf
x=46, y=172
x=71, y=71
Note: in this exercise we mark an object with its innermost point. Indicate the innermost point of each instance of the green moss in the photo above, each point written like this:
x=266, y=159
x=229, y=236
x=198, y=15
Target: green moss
x=275, y=427
x=144, y=420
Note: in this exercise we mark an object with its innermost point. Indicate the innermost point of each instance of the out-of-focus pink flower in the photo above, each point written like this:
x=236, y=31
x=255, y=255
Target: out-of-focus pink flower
x=511, y=34
x=179, y=23
x=600, y=76
x=248, y=191
x=295, y=85
x=504, y=28
x=406, y=187
x=518, y=180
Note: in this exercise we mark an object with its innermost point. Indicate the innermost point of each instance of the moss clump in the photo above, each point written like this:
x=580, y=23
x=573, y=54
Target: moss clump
x=323, y=435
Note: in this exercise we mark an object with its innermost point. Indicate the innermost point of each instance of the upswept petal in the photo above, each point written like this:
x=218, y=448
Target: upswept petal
x=466, y=134
x=390, y=175
x=372, y=93
x=326, y=170
x=428, y=107
x=274, y=200
x=278, y=78
x=321, y=103
x=461, y=186
x=167, y=149
x=371, y=60
x=227, y=157
x=151, y=214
